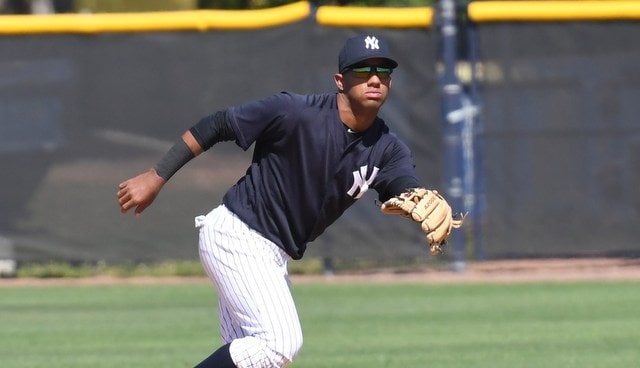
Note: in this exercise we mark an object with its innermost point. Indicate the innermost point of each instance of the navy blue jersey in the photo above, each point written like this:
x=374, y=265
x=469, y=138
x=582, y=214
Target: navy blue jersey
x=307, y=169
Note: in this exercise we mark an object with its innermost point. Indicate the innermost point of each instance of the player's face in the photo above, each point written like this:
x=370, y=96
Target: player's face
x=366, y=83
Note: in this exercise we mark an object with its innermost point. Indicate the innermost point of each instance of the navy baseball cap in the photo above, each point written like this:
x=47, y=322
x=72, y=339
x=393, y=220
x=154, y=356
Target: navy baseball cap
x=363, y=47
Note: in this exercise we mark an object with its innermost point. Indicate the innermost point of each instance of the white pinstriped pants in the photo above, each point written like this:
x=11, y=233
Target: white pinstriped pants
x=257, y=312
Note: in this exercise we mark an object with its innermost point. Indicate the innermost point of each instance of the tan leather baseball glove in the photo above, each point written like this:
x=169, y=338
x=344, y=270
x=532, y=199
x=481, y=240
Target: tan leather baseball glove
x=428, y=208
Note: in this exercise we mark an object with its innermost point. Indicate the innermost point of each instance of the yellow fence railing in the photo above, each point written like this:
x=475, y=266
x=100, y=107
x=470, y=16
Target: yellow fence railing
x=532, y=11
x=412, y=17
x=196, y=20
x=335, y=16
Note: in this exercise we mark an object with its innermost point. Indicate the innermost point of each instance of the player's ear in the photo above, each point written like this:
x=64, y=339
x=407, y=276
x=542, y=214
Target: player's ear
x=339, y=79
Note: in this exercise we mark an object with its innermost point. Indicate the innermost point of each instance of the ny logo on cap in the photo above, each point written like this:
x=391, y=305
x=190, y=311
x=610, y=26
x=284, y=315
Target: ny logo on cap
x=371, y=43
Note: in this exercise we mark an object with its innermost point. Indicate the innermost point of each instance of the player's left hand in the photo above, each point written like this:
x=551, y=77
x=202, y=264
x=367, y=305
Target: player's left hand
x=428, y=208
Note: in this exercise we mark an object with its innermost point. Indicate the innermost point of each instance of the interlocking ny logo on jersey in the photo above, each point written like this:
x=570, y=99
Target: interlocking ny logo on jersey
x=360, y=181
x=371, y=43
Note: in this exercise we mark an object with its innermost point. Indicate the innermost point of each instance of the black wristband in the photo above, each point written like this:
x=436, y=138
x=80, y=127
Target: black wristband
x=173, y=160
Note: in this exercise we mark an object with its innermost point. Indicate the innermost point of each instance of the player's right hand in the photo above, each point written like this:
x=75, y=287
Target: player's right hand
x=139, y=191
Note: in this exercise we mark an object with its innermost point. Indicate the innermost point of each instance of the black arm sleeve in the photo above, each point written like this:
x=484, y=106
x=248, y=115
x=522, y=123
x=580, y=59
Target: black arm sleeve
x=173, y=160
x=213, y=129
x=398, y=186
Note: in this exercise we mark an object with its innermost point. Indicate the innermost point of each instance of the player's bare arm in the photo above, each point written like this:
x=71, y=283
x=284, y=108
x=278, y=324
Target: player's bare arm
x=140, y=191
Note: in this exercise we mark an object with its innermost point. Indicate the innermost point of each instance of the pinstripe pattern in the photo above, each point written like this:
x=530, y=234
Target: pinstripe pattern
x=257, y=312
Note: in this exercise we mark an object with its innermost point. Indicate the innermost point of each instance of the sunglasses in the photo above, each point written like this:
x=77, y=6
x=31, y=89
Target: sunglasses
x=364, y=72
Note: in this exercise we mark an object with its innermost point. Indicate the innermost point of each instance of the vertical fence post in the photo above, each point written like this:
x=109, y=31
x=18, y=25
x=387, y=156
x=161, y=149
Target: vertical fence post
x=475, y=201
x=458, y=114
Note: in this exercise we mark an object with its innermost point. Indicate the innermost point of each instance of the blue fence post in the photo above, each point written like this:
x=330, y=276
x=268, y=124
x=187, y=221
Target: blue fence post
x=477, y=203
x=458, y=114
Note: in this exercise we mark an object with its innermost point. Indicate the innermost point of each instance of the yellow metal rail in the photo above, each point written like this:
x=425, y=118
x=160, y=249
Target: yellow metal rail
x=197, y=20
x=338, y=16
x=536, y=11
x=334, y=16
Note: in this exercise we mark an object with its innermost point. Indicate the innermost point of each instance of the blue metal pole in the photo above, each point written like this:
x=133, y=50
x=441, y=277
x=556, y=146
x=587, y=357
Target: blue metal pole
x=453, y=118
x=478, y=208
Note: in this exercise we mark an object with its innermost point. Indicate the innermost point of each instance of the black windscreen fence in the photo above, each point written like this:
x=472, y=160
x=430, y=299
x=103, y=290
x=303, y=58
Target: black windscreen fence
x=562, y=138
x=81, y=113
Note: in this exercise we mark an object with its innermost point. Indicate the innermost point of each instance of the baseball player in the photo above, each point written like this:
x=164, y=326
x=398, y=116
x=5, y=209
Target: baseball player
x=314, y=156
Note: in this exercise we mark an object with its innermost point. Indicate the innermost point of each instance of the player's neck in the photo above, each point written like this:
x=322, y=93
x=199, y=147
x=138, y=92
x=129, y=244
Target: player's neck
x=356, y=119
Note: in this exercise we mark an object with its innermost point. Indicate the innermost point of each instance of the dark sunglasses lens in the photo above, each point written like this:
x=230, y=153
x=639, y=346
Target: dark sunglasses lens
x=365, y=72
x=383, y=72
x=362, y=72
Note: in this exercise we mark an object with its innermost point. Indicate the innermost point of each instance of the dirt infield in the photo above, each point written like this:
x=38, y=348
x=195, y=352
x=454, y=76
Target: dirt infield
x=548, y=270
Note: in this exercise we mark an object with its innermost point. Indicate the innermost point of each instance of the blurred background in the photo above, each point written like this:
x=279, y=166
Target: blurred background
x=525, y=120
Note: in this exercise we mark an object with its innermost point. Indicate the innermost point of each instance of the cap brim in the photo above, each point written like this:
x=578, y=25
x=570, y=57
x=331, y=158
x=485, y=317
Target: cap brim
x=389, y=62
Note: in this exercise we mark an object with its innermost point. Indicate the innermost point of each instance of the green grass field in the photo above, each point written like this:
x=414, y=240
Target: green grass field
x=581, y=325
